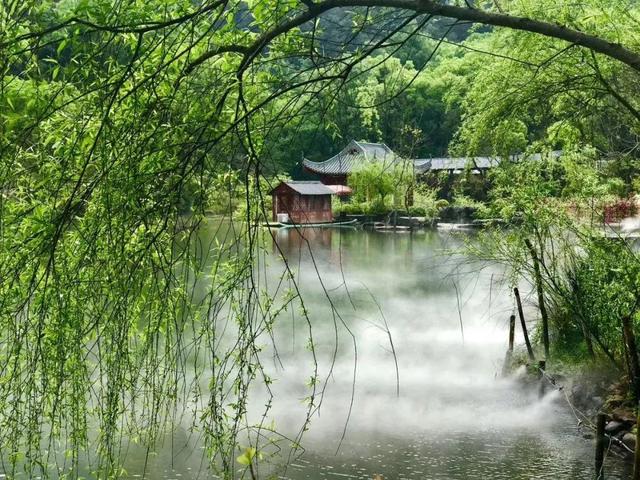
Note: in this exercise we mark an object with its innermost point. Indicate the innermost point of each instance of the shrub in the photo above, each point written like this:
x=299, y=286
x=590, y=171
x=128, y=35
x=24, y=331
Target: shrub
x=353, y=208
x=424, y=198
x=376, y=207
x=442, y=203
x=614, y=212
x=417, y=212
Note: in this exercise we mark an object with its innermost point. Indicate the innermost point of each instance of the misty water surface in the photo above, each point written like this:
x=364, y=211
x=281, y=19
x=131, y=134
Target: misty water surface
x=454, y=416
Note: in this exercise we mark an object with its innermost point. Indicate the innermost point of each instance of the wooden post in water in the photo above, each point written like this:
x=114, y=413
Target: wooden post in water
x=516, y=292
x=542, y=366
x=512, y=331
x=600, y=446
x=506, y=366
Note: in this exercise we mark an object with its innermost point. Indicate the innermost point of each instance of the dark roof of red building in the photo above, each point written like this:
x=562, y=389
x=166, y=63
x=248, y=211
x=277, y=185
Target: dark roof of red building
x=307, y=187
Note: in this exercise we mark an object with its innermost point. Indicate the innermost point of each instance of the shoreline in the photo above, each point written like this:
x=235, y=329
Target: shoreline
x=588, y=394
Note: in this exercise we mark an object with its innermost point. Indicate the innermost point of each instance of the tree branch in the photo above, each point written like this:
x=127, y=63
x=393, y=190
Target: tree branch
x=475, y=15
x=592, y=42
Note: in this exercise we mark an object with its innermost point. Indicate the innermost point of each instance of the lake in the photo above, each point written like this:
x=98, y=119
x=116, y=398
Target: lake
x=445, y=413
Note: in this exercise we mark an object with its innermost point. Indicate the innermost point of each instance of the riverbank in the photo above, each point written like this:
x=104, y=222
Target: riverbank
x=595, y=394
x=587, y=392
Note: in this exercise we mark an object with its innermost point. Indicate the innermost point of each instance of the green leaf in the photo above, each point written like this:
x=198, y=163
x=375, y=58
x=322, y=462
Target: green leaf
x=62, y=45
x=247, y=457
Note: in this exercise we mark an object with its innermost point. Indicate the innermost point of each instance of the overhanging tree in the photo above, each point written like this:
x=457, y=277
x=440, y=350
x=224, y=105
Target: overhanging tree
x=114, y=119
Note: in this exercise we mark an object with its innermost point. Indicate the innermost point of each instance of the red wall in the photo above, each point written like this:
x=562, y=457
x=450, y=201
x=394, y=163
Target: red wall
x=302, y=208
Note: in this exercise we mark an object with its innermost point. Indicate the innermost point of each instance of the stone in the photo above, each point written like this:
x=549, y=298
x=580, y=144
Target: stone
x=613, y=427
x=623, y=415
x=629, y=439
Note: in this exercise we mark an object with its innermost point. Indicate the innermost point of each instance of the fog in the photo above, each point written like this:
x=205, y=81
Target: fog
x=454, y=417
x=449, y=375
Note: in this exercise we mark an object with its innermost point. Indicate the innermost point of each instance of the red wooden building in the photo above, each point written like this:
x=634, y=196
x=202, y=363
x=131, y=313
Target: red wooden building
x=302, y=202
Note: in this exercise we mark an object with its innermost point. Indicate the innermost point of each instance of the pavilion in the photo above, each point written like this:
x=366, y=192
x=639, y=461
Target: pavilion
x=336, y=169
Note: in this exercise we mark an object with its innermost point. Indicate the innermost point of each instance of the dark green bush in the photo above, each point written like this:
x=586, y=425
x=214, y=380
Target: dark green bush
x=376, y=207
x=417, y=212
x=442, y=203
x=349, y=209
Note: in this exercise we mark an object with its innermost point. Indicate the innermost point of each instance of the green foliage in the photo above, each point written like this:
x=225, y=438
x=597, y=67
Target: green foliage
x=425, y=201
x=381, y=186
x=253, y=200
x=110, y=155
x=627, y=168
x=387, y=99
x=349, y=208
x=376, y=207
x=602, y=284
x=534, y=88
x=247, y=456
x=417, y=211
x=441, y=203
x=589, y=282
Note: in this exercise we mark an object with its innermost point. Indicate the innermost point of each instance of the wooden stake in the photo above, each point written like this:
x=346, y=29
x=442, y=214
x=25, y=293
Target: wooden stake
x=634, y=383
x=600, y=446
x=542, y=366
x=516, y=292
x=512, y=331
x=540, y=289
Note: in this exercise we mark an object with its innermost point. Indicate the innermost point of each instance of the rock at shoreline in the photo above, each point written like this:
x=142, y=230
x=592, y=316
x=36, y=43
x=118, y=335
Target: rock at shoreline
x=613, y=427
x=629, y=439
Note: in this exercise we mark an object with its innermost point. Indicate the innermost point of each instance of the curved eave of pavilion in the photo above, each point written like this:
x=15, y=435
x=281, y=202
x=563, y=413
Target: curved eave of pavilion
x=328, y=167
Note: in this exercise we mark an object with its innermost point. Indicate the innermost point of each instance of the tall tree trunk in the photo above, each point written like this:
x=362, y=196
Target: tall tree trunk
x=632, y=352
x=540, y=289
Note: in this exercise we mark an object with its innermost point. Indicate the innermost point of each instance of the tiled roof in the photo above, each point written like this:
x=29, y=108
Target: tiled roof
x=356, y=154
x=309, y=188
x=422, y=165
x=351, y=157
x=454, y=163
